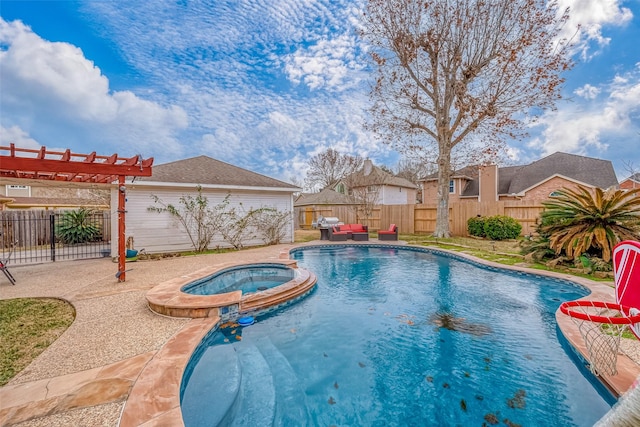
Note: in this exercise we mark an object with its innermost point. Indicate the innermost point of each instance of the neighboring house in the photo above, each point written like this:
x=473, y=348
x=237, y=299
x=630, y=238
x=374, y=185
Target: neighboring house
x=161, y=232
x=373, y=185
x=309, y=206
x=630, y=183
x=535, y=181
x=53, y=196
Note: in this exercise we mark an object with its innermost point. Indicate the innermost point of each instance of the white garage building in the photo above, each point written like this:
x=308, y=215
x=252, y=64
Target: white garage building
x=161, y=232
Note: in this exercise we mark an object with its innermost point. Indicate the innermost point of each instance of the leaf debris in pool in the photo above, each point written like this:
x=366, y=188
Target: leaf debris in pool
x=510, y=423
x=491, y=418
x=460, y=324
x=517, y=401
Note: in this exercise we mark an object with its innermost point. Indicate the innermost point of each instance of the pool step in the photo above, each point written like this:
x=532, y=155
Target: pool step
x=256, y=402
x=280, y=294
x=291, y=403
x=212, y=393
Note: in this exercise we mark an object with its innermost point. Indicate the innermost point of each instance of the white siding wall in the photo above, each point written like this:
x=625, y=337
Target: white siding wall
x=393, y=196
x=161, y=232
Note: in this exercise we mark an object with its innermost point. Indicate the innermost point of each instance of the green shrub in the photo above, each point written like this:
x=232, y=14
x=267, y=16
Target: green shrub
x=77, y=227
x=475, y=226
x=501, y=227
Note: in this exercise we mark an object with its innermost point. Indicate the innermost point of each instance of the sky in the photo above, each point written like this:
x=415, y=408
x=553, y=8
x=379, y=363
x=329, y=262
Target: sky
x=266, y=84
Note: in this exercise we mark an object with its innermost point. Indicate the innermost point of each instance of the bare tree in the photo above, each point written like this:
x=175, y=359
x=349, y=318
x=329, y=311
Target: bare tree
x=100, y=196
x=329, y=167
x=632, y=171
x=413, y=169
x=364, y=188
x=462, y=75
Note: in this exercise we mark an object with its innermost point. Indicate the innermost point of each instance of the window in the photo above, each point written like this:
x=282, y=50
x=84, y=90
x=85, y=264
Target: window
x=340, y=188
x=17, y=190
x=452, y=187
x=554, y=194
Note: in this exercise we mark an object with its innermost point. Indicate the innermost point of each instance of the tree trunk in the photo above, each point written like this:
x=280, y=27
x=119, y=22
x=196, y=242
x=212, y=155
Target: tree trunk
x=442, y=210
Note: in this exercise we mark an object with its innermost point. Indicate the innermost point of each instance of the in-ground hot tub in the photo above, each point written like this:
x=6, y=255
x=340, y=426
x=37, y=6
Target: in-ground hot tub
x=247, y=278
x=231, y=289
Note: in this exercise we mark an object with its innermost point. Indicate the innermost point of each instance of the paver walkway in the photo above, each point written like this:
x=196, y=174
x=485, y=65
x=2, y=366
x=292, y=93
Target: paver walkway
x=85, y=376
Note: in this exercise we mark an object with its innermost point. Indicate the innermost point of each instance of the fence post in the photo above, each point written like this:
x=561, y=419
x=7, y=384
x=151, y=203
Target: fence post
x=52, y=234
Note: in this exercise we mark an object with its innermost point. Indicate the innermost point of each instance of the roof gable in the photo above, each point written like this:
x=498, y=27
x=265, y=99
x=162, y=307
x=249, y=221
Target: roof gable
x=635, y=178
x=377, y=176
x=519, y=179
x=204, y=170
x=587, y=170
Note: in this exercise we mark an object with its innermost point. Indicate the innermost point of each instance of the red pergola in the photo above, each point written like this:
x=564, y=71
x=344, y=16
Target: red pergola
x=41, y=164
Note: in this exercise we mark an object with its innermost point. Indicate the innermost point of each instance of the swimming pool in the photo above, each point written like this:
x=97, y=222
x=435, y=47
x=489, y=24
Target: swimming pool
x=397, y=336
x=246, y=278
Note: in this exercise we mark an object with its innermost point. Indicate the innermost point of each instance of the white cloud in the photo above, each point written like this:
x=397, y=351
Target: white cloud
x=579, y=127
x=329, y=63
x=587, y=91
x=45, y=82
x=18, y=137
x=587, y=19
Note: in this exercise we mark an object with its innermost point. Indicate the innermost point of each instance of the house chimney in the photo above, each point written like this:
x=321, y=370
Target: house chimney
x=368, y=167
x=488, y=183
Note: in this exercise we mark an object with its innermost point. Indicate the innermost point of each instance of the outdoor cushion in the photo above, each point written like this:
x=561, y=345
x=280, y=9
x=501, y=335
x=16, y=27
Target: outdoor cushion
x=337, y=230
x=391, y=230
x=356, y=228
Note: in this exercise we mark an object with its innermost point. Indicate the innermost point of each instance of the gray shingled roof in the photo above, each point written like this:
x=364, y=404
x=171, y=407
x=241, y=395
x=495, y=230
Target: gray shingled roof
x=468, y=172
x=635, y=177
x=328, y=196
x=505, y=176
x=595, y=172
x=204, y=170
x=378, y=177
x=516, y=179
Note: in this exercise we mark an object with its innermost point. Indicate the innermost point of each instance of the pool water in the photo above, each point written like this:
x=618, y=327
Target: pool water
x=246, y=278
x=397, y=337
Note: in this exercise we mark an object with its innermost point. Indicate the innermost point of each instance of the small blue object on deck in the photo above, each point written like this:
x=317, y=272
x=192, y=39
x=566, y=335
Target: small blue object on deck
x=130, y=253
x=246, y=321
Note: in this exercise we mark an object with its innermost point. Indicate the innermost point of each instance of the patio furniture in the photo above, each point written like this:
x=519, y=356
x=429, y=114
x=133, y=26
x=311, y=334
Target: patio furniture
x=5, y=270
x=360, y=237
x=324, y=224
x=390, y=234
x=336, y=235
x=324, y=233
x=357, y=232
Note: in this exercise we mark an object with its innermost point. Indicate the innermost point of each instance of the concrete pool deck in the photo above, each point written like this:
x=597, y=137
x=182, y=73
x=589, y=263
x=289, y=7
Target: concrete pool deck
x=117, y=351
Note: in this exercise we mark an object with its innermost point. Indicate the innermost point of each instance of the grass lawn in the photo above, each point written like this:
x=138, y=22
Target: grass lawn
x=27, y=327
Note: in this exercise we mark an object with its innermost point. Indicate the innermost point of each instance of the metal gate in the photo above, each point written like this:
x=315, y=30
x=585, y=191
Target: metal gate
x=36, y=236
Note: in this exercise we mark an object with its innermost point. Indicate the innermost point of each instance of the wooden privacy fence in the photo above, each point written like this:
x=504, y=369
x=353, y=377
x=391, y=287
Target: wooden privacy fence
x=422, y=218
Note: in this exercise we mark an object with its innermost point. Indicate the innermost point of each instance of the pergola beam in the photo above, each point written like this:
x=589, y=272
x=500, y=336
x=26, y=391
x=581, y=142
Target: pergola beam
x=25, y=163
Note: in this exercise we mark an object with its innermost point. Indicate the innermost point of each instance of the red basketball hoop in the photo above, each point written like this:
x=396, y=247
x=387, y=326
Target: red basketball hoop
x=601, y=325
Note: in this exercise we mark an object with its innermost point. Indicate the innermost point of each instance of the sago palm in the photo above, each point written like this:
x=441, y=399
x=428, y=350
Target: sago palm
x=579, y=221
